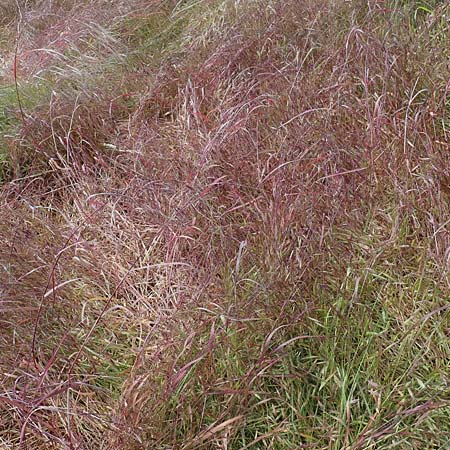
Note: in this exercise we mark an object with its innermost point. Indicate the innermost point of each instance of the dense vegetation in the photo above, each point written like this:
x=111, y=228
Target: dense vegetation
x=224, y=224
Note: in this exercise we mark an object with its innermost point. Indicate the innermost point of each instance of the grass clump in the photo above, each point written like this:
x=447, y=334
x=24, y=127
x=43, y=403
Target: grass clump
x=225, y=226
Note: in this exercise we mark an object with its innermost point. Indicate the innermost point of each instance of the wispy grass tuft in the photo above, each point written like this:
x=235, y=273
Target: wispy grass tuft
x=225, y=225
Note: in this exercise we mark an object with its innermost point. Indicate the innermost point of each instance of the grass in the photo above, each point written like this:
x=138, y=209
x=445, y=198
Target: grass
x=225, y=225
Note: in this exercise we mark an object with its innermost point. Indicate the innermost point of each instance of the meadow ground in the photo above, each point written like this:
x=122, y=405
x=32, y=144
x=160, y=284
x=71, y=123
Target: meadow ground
x=224, y=224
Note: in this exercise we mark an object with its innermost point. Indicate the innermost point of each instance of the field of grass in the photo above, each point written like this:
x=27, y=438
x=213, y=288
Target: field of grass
x=225, y=224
